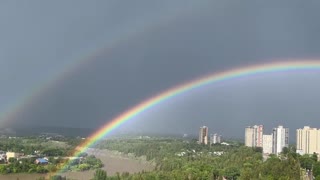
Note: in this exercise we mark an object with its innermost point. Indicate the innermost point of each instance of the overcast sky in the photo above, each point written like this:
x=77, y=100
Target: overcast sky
x=81, y=63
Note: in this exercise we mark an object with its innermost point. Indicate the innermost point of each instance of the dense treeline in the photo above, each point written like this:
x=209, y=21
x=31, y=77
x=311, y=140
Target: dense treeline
x=178, y=159
x=158, y=149
x=31, y=145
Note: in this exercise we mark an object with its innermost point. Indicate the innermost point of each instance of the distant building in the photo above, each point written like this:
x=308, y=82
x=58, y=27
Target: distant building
x=215, y=138
x=308, y=140
x=41, y=161
x=248, y=139
x=253, y=136
x=280, y=139
x=218, y=153
x=3, y=156
x=226, y=144
x=203, y=135
x=13, y=155
x=267, y=144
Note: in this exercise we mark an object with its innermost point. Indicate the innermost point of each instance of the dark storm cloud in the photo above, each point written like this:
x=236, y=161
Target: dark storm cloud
x=216, y=36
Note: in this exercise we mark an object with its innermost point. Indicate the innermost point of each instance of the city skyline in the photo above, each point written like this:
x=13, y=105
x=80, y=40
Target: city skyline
x=270, y=143
x=307, y=139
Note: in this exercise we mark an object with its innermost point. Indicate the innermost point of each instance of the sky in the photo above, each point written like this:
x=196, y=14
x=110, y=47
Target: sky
x=82, y=63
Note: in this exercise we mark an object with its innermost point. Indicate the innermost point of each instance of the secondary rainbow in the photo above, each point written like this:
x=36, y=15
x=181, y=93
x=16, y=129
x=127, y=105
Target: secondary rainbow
x=213, y=78
x=129, y=34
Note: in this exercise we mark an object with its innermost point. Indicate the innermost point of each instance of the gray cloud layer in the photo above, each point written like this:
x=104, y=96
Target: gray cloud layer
x=40, y=39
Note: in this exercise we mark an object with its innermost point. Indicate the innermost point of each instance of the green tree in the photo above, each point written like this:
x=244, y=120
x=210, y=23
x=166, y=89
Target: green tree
x=52, y=168
x=41, y=169
x=12, y=160
x=215, y=173
x=285, y=150
x=316, y=169
x=3, y=169
x=84, y=167
x=100, y=175
x=315, y=157
x=306, y=162
x=231, y=173
x=258, y=149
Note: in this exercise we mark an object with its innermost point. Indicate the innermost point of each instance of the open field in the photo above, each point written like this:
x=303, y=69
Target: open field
x=113, y=163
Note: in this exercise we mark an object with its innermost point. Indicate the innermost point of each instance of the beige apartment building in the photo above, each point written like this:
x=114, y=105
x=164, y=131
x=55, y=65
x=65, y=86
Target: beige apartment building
x=203, y=135
x=267, y=144
x=254, y=136
x=248, y=139
x=308, y=140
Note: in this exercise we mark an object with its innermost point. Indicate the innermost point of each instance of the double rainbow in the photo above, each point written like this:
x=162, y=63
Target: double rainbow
x=183, y=88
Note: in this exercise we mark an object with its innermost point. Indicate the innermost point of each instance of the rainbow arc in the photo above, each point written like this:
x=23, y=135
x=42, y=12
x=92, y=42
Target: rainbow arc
x=183, y=88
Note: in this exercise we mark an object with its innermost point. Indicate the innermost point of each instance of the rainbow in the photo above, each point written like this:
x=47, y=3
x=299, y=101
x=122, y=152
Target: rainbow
x=183, y=88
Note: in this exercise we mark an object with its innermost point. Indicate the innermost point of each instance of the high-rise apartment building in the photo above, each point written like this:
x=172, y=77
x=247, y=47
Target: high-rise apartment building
x=308, y=140
x=248, y=139
x=215, y=138
x=267, y=144
x=254, y=136
x=203, y=135
x=259, y=135
x=280, y=139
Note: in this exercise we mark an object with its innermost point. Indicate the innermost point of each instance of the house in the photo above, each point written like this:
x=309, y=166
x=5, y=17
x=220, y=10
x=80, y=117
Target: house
x=41, y=161
x=14, y=155
x=3, y=158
